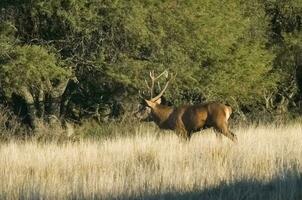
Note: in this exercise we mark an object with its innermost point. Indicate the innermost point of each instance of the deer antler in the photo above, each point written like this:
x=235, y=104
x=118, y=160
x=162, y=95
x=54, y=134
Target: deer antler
x=153, y=79
x=161, y=93
x=164, y=89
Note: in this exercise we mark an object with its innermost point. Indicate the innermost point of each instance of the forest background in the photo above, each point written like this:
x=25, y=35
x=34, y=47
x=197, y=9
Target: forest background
x=75, y=60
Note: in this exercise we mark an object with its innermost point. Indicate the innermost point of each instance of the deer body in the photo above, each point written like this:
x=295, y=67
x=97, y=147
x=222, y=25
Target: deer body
x=187, y=119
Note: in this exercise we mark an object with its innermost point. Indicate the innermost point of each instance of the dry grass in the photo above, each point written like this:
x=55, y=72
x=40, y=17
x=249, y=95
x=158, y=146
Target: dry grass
x=265, y=164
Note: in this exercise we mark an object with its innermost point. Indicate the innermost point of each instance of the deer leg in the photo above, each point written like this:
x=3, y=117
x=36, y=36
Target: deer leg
x=157, y=133
x=231, y=133
x=182, y=132
x=218, y=134
x=190, y=133
x=223, y=128
x=233, y=136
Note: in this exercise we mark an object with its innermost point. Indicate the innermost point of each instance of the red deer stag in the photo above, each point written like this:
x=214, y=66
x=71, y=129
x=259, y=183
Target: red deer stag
x=186, y=119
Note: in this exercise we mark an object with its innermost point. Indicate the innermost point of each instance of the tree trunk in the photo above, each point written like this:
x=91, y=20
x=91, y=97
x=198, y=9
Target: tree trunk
x=30, y=105
x=55, y=101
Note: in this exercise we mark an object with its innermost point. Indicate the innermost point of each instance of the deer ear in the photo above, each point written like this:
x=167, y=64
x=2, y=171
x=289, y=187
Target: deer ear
x=158, y=101
x=150, y=103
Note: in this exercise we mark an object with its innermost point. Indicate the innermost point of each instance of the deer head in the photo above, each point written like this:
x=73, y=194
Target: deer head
x=145, y=110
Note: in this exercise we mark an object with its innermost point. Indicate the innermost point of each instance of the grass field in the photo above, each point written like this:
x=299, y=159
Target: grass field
x=265, y=164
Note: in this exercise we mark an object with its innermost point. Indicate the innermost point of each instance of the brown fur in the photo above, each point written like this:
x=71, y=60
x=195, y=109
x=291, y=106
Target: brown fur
x=188, y=119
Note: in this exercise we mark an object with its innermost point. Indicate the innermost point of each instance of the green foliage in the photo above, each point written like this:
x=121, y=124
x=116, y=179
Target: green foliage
x=7, y=30
x=31, y=66
x=219, y=55
x=232, y=51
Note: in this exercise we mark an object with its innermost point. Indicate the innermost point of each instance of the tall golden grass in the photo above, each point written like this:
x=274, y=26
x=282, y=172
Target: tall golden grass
x=265, y=164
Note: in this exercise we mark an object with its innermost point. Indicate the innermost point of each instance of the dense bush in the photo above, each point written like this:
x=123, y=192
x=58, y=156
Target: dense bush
x=247, y=54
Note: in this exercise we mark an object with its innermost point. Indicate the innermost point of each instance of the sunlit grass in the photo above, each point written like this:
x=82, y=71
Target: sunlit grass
x=265, y=164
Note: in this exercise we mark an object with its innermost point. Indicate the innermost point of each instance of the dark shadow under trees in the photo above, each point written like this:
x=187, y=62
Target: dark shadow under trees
x=288, y=187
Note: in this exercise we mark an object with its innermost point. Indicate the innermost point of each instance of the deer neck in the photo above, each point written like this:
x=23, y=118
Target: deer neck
x=161, y=113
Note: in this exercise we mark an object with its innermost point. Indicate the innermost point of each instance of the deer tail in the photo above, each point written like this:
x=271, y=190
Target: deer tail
x=228, y=112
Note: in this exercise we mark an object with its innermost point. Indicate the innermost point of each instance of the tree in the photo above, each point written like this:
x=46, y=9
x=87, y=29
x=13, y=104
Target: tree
x=33, y=73
x=232, y=51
